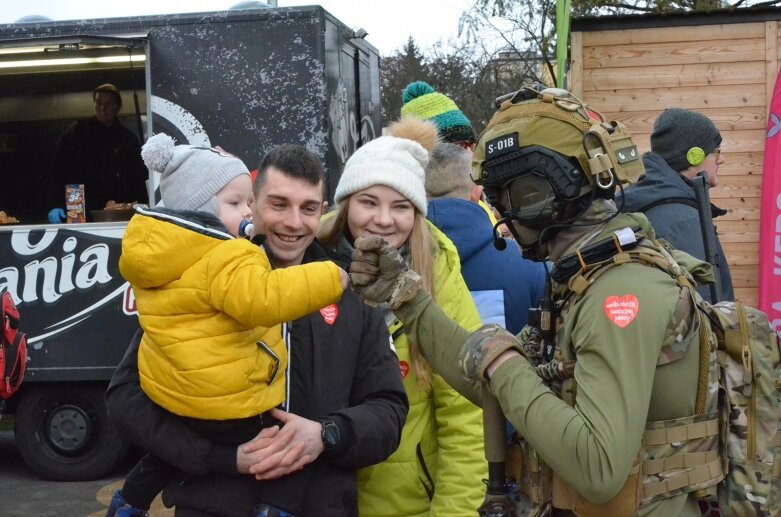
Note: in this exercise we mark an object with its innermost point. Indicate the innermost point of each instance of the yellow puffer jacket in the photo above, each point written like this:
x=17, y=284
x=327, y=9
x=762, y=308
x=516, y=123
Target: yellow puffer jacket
x=205, y=302
x=439, y=467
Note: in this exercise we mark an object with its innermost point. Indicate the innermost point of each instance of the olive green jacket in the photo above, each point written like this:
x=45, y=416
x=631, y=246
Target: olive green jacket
x=592, y=445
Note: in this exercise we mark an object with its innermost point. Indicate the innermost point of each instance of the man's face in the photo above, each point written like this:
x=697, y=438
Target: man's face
x=106, y=108
x=287, y=211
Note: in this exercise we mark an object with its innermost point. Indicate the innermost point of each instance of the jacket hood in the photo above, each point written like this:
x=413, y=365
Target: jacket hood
x=466, y=224
x=659, y=182
x=160, y=244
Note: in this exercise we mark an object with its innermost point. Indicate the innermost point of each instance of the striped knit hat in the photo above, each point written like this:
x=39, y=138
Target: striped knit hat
x=420, y=100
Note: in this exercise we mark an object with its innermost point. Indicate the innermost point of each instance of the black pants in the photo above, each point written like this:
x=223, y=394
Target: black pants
x=151, y=474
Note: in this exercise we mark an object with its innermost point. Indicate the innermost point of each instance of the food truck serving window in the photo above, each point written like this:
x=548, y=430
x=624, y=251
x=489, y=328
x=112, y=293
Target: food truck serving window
x=47, y=90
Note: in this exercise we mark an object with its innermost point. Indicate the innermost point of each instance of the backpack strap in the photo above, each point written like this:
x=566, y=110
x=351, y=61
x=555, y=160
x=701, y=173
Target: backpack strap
x=667, y=201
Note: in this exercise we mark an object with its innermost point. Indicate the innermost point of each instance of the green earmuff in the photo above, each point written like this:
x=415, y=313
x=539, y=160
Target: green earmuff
x=695, y=156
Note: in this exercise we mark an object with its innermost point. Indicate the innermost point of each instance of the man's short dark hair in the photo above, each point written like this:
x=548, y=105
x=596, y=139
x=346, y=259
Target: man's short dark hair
x=108, y=88
x=294, y=161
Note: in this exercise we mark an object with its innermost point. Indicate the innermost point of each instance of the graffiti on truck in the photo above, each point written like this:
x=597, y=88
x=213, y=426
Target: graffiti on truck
x=347, y=135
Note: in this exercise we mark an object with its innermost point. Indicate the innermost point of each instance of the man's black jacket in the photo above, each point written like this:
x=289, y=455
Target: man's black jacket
x=345, y=371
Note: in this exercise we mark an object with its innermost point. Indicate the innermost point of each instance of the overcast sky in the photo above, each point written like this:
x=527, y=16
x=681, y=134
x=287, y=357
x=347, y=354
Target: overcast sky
x=388, y=22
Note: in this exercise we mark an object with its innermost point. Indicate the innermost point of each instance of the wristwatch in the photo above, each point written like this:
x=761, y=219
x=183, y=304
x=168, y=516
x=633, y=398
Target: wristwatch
x=330, y=434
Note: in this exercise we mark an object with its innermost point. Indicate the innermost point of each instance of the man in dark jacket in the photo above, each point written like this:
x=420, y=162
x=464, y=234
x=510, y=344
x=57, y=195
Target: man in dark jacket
x=346, y=404
x=103, y=155
x=503, y=284
x=683, y=143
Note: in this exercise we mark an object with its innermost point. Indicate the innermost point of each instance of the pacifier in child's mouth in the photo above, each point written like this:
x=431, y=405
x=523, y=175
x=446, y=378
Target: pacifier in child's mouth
x=246, y=228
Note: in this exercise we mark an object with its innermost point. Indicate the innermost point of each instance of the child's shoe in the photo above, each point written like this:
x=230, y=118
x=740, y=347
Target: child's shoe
x=120, y=508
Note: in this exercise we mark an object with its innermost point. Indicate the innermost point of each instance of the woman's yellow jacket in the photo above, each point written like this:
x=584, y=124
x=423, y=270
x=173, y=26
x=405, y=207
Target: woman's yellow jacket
x=439, y=467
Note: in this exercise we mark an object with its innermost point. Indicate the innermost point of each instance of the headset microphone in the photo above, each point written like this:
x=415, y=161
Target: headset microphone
x=499, y=242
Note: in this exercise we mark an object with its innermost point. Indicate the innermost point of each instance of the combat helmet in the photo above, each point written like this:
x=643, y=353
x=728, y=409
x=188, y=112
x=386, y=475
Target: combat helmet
x=561, y=148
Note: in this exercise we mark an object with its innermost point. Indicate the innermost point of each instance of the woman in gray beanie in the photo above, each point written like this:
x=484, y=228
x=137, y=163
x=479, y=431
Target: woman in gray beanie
x=683, y=143
x=210, y=305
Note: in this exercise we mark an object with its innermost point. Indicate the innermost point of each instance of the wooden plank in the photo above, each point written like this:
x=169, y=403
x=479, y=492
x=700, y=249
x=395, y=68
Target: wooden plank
x=741, y=164
x=657, y=54
x=746, y=186
x=744, y=141
x=575, y=76
x=726, y=119
x=739, y=209
x=730, y=31
x=744, y=276
x=771, y=59
x=656, y=99
x=737, y=231
x=741, y=253
x=747, y=295
x=697, y=74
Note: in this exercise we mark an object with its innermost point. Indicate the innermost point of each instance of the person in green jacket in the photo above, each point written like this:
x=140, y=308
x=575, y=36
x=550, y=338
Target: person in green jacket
x=439, y=465
x=604, y=399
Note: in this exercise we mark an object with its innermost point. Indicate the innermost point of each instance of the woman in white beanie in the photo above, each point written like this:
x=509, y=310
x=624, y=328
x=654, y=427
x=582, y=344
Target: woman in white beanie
x=439, y=465
x=210, y=305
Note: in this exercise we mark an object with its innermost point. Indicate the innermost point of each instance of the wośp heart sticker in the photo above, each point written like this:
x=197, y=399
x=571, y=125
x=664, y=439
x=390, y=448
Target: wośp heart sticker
x=621, y=310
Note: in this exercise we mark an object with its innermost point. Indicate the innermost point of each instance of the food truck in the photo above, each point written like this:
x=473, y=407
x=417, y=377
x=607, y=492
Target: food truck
x=245, y=80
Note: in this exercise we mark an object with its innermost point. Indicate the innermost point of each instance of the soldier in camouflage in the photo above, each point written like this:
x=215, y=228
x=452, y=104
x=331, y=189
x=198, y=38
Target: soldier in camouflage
x=605, y=392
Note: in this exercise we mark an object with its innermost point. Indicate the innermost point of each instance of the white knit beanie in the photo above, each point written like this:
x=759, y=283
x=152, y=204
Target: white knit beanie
x=397, y=163
x=191, y=176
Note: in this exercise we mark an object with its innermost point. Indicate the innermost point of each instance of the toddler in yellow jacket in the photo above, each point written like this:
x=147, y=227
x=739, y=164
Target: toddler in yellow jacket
x=210, y=305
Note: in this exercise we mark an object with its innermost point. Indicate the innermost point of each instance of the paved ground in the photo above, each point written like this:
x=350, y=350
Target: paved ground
x=22, y=494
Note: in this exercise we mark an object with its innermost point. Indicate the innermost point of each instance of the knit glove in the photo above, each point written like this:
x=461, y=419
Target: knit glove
x=482, y=348
x=379, y=273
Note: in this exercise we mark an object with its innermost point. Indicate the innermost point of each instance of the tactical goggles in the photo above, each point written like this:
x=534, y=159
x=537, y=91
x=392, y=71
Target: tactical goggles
x=530, y=181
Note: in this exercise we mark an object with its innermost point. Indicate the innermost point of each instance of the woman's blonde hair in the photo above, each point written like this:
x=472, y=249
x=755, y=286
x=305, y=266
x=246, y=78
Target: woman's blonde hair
x=422, y=251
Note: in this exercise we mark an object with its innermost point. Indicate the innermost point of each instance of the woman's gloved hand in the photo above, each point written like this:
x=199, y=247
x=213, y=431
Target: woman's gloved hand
x=379, y=273
x=56, y=215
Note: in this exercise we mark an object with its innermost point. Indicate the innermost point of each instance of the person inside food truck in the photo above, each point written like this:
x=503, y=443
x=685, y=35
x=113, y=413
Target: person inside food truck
x=101, y=154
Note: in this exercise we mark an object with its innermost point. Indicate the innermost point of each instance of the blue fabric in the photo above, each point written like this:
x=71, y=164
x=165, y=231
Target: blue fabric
x=677, y=223
x=56, y=215
x=486, y=270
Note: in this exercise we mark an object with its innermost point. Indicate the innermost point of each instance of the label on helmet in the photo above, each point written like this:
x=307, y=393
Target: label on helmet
x=627, y=154
x=500, y=146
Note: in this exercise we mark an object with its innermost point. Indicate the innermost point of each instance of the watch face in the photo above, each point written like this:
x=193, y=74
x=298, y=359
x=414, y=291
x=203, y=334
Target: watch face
x=330, y=434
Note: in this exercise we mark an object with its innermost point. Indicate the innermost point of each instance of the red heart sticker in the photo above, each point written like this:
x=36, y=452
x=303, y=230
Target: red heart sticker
x=404, y=369
x=329, y=313
x=621, y=310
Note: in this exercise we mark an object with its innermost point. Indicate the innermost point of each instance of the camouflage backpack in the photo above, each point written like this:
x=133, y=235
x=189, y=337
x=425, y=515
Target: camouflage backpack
x=745, y=387
x=748, y=357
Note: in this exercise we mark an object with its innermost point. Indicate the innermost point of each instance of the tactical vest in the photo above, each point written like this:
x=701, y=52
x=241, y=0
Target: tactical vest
x=712, y=448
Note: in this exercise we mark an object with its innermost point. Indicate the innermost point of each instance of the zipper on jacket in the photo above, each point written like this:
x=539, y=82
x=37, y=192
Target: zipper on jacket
x=428, y=483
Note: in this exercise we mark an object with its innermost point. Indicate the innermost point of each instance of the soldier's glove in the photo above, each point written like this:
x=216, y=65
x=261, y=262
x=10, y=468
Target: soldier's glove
x=482, y=348
x=379, y=273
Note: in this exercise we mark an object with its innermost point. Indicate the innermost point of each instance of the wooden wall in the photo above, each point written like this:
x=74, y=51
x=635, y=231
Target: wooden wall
x=725, y=71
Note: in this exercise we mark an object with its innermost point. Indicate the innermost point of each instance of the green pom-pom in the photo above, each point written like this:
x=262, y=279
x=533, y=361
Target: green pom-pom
x=415, y=90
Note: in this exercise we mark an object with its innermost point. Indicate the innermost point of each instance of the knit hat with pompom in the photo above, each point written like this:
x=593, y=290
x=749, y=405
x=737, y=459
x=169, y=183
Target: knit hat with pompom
x=420, y=100
x=191, y=176
x=397, y=161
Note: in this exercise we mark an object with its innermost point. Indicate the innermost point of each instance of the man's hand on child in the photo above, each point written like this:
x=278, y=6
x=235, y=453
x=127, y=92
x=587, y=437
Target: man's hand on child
x=282, y=451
